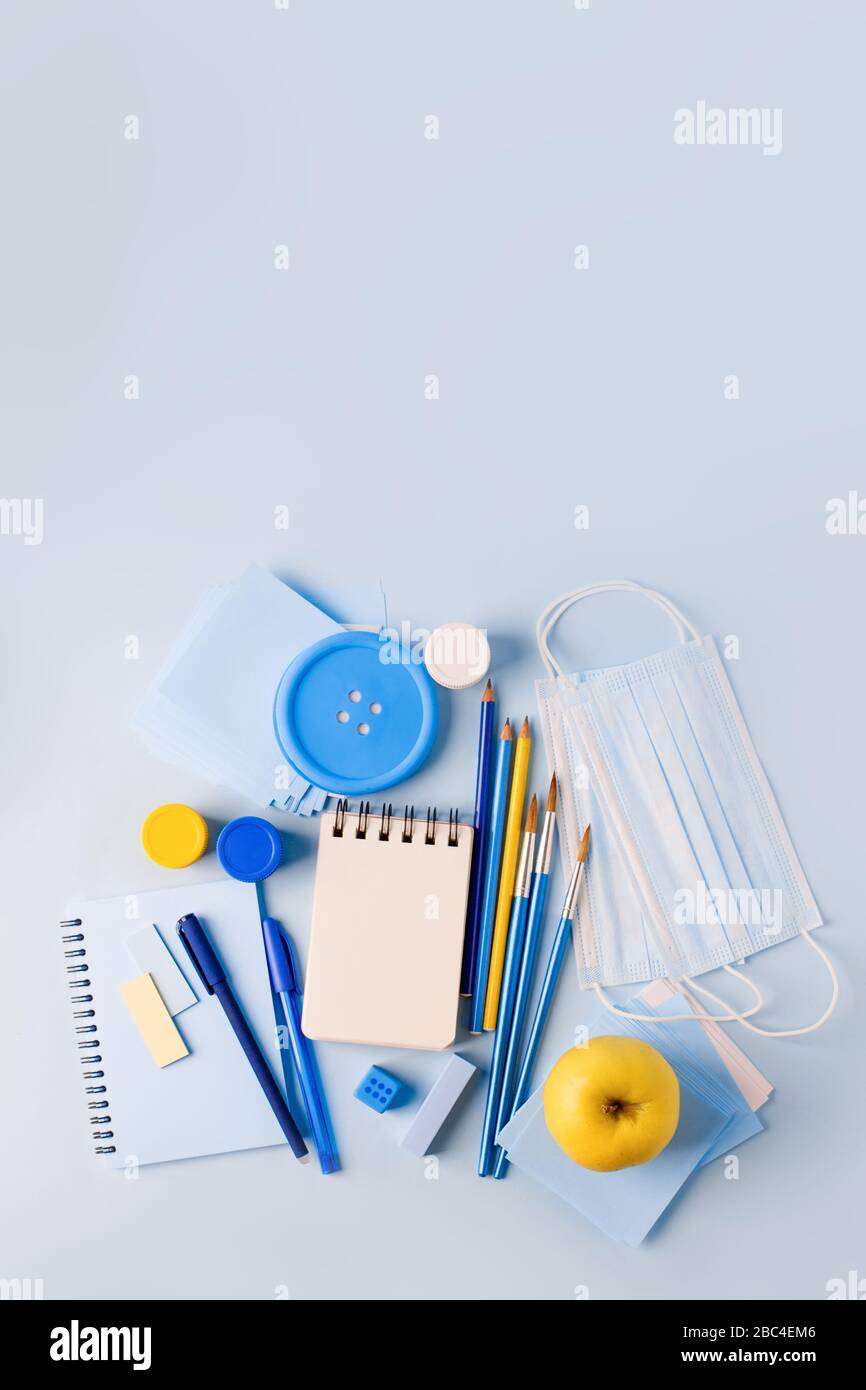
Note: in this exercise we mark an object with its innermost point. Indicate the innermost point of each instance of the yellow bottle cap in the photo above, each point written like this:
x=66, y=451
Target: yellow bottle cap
x=174, y=836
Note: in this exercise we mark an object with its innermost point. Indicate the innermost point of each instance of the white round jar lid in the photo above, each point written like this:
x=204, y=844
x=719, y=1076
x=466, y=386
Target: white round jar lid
x=457, y=655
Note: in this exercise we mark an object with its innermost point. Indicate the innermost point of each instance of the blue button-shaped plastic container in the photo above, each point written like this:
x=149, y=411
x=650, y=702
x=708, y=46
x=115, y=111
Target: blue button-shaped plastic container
x=354, y=714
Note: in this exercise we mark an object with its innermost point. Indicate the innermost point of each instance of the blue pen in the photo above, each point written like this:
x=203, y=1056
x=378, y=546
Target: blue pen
x=548, y=988
x=212, y=975
x=498, y=812
x=285, y=983
x=513, y=954
x=534, y=923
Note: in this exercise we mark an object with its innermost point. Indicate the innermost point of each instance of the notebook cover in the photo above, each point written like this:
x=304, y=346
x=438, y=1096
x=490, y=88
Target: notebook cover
x=387, y=936
x=210, y=1101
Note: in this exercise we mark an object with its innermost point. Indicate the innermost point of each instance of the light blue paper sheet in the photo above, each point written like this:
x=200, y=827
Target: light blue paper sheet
x=210, y=709
x=625, y=1205
x=152, y=957
x=714, y=1117
x=228, y=678
x=744, y=1123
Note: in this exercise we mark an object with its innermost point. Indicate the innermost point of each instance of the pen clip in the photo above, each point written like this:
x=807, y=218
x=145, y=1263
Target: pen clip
x=186, y=926
x=281, y=958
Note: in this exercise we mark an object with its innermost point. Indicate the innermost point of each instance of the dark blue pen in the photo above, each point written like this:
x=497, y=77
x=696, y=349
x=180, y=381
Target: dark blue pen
x=213, y=977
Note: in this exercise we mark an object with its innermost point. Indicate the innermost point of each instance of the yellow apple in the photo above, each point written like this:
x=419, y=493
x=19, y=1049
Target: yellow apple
x=613, y=1103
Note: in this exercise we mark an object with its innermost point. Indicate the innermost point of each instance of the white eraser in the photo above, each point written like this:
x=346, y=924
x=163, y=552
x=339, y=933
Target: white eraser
x=437, y=1105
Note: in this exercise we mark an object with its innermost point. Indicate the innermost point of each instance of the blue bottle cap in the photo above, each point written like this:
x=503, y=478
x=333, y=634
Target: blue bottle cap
x=355, y=713
x=249, y=848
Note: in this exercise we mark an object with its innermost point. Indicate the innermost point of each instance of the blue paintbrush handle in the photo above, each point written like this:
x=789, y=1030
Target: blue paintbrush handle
x=548, y=989
x=513, y=954
x=534, y=924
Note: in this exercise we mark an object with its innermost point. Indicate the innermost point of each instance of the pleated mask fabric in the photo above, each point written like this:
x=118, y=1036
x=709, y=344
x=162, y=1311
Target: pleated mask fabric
x=692, y=866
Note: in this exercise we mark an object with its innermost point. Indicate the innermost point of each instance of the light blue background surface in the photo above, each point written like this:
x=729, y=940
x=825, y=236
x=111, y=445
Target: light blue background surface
x=305, y=388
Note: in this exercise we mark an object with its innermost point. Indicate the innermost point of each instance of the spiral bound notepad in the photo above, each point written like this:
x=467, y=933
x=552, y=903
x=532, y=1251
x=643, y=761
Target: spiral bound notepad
x=389, y=911
x=207, y=1102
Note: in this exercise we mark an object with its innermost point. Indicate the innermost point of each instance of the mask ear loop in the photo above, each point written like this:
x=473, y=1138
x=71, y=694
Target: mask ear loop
x=554, y=611
x=786, y=1032
x=685, y=1018
x=734, y=1017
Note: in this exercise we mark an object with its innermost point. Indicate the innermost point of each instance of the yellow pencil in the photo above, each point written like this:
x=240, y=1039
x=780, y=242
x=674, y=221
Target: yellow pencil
x=511, y=848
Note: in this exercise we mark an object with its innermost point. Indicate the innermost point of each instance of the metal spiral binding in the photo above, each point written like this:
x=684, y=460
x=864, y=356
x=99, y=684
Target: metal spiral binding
x=87, y=1045
x=407, y=833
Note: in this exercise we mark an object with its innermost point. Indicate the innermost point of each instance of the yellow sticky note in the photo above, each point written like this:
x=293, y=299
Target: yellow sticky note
x=153, y=1020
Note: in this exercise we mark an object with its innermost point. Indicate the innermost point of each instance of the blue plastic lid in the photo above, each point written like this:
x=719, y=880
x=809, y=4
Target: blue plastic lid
x=249, y=848
x=355, y=714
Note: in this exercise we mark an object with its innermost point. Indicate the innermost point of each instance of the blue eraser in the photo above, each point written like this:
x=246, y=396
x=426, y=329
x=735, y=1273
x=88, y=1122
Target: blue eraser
x=249, y=848
x=379, y=1089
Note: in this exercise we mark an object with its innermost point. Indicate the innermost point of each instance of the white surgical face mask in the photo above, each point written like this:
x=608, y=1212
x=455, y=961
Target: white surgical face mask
x=691, y=865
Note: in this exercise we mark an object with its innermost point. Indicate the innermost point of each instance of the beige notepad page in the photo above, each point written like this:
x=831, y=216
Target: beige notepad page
x=387, y=935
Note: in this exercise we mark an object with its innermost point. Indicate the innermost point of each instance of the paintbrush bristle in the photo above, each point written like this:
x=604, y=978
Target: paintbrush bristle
x=584, y=846
x=488, y=692
x=506, y=731
x=551, y=795
x=532, y=818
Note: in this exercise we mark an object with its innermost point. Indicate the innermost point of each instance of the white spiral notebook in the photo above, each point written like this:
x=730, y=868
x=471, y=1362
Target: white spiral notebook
x=206, y=1103
x=389, y=912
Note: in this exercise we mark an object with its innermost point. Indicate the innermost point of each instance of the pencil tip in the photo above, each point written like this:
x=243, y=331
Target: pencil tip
x=524, y=728
x=532, y=818
x=488, y=691
x=506, y=730
x=551, y=795
x=584, y=845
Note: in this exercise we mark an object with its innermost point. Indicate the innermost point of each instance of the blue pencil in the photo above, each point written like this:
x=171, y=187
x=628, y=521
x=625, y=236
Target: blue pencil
x=532, y=940
x=510, y=971
x=479, y=843
x=498, y=811
x=548, y=989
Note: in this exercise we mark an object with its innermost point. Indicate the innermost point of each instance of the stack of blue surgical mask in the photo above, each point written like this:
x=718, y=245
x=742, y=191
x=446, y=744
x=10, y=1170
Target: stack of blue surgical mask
x=714, y=1118
x=210, y=708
